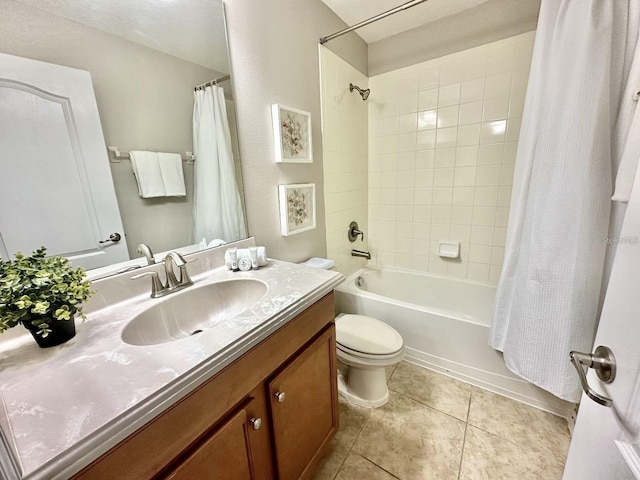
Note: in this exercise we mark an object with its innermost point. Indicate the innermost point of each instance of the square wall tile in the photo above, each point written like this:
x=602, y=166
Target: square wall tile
x=470, y=113
x=427, y=119
x=407, y=123
x=465, y=177
x=467, y=156
x=449, y=95
x=472, y=90
x=446, y=137
x=425, y=159
x=428, y=99
x=448, y=116
x=443, y=177
x=426, y=140
x=468, y=135
x=408, y=103
x=490, y=154
x=445, y=157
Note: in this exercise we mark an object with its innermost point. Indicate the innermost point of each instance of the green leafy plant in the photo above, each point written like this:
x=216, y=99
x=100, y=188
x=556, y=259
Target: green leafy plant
x=39, y=291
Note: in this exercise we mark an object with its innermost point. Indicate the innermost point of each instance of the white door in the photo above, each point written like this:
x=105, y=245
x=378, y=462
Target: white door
x=606, y=440
x=56, y=188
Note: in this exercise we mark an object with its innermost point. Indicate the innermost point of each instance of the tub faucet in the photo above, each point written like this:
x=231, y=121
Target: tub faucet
x=360, y=253
x=143, y=249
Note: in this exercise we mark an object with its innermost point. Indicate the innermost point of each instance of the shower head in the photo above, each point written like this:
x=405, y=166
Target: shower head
x=363, y=93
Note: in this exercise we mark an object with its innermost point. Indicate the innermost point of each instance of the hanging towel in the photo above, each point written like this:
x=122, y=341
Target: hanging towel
x=628, y=162
x=172, y=174
x=146, y=169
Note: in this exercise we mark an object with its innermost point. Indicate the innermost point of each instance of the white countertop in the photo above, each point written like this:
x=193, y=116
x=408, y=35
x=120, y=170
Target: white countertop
x=66, y=405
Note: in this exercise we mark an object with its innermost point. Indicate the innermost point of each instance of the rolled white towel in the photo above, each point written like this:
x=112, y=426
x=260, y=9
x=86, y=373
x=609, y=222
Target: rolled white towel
x=317, y=262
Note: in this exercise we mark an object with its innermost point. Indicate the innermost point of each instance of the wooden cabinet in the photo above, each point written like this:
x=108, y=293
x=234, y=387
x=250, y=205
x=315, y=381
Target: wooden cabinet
x=268, y=415
x=303, y=409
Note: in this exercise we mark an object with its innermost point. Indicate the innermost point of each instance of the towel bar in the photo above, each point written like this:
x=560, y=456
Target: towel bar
x=116, y=156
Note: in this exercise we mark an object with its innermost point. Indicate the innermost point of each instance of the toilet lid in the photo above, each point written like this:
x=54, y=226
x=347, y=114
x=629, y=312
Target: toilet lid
x=367, y=335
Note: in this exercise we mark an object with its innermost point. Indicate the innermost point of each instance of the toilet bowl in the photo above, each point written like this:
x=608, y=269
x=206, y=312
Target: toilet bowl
x=366, y=346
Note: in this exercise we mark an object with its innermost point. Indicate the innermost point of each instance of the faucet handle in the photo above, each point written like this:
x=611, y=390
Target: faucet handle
x=156, y=284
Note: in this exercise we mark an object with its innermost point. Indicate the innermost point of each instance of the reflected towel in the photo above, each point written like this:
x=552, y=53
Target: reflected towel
x=172, y=174
x=146, y=169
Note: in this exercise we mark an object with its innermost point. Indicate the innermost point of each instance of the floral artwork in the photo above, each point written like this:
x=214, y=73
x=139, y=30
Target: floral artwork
x=297, y=208
x=292, y=134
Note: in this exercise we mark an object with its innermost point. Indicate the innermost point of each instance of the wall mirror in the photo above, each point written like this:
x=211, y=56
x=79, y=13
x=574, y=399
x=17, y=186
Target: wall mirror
x=145, y=58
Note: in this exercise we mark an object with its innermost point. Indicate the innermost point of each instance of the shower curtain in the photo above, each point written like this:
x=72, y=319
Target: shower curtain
x=548, y=295
x=217, y=208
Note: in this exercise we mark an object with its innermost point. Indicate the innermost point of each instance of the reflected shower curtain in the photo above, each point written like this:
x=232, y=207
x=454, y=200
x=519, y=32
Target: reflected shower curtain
x=217, y=208
x=548, y=296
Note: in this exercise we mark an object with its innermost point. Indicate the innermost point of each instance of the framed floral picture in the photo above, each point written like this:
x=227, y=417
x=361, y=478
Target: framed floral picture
x=297, y=208
x=292, y=134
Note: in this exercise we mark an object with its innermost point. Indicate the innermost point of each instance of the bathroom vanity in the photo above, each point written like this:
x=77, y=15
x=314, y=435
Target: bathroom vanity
x=276, y=402
x=250, y=396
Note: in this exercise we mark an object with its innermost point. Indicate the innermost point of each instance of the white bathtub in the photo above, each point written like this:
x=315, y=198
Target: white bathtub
x=445, y=325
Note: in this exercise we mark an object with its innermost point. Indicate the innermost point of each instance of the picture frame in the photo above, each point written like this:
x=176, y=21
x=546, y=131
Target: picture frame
x=297, y=208
x=291, y=134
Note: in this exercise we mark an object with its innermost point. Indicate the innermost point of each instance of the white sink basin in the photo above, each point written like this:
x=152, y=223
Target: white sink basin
x=192, y=310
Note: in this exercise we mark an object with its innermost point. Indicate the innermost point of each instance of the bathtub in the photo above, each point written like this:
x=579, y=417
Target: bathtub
x=445, y=325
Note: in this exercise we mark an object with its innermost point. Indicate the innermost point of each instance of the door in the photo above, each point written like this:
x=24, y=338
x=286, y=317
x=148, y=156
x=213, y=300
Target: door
x=606, y=441
x=304, y=406
x=224, y=455
x=56, y=188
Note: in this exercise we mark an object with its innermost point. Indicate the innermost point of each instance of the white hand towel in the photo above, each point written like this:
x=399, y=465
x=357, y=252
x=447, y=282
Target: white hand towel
x=628, y=162
x=146, y=169
x=172, y=174
x=317, y=262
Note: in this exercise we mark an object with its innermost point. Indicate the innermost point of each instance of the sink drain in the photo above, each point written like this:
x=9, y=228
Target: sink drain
x=195, y=332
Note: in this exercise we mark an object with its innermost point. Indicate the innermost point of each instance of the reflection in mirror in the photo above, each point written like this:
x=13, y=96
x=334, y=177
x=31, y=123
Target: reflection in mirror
x=145, y=58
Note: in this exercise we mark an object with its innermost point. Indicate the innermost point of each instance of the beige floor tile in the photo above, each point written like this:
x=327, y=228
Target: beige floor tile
x=520, y=423
x=412, y=441
x=356, y=467
x=489, y=457
x=389, y=371
x=431, y=388
x=352, y=418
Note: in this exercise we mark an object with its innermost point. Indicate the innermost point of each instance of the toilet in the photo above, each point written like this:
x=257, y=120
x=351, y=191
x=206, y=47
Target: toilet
x=366, y=346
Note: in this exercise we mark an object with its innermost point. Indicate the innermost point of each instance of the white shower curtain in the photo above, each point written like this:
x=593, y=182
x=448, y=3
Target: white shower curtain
x=548, y=295
x=217, y=208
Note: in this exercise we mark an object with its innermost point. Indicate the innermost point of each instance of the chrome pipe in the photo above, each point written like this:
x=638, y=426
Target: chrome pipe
x=380, y=16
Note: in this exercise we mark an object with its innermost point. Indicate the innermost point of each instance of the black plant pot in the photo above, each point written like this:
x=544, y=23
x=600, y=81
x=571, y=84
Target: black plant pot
x=61, y=331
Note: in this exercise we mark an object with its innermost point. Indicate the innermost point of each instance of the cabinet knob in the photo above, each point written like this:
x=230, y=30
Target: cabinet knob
x=256, y=423
x=280, y=396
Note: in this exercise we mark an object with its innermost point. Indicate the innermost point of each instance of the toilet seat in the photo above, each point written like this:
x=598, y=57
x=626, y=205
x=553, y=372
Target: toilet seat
x=367, y=337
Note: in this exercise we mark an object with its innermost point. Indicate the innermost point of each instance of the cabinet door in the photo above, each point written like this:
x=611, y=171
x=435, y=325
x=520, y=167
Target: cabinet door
x=304, y=406
x=225, y=455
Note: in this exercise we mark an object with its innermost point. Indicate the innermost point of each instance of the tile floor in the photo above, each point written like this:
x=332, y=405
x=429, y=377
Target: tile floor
x=435, y=427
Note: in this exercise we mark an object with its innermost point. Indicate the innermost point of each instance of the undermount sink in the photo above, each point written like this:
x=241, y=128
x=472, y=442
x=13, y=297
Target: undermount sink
x=192, y=310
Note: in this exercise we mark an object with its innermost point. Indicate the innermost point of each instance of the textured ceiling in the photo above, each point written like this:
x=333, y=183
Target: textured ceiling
x=355, y=11
x=189, y=29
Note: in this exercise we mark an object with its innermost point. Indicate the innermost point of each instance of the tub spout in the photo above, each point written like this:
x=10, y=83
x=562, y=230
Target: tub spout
x=360, y=253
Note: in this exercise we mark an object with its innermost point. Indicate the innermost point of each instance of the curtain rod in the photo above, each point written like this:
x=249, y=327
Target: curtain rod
x=380, y=16
x=212, y=82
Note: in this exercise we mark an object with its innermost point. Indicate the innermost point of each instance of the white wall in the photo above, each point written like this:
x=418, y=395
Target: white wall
x=442, y=145
x=344, y=145
x=274, y=59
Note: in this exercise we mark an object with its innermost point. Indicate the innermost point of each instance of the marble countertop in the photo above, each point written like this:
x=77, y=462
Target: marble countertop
x=67, y=405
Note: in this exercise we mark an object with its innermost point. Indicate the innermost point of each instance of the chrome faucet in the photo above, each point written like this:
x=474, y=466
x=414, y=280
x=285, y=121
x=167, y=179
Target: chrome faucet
x=143, y=249
x=172, y=283
x=181, y=263
x=360, y=253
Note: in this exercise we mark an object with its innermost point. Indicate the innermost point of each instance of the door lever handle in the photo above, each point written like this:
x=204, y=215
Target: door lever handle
x=603, y=362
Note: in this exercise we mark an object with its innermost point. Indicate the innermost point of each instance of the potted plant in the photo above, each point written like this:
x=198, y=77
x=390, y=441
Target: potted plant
x=44, y=294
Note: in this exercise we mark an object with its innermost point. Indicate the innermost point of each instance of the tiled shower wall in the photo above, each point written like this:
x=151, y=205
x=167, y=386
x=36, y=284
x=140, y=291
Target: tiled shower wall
x=344, y=145
x=442, y=145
